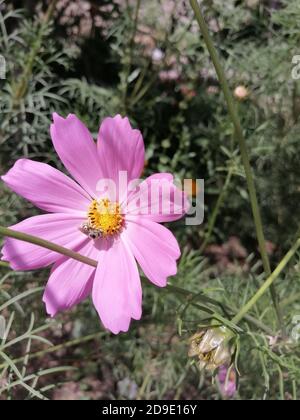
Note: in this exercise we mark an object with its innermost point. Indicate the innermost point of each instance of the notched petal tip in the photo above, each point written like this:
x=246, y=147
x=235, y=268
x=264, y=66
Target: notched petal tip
x=59, y=119
x=77, y=150
x=116, y=328
x=121, y=325
x=119, y=117
x=49, y=310
x=120, y=148
x=56, y=117
x=117, y=291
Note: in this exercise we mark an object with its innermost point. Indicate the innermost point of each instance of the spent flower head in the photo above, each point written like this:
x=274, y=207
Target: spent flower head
x=212, y=347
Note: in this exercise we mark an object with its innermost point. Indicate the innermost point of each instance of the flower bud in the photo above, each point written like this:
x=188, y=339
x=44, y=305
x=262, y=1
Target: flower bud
x=227, y=378
x=241, y=93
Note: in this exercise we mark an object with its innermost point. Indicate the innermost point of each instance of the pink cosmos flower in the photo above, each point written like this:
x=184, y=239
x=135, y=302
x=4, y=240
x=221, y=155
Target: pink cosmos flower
x=94, y=224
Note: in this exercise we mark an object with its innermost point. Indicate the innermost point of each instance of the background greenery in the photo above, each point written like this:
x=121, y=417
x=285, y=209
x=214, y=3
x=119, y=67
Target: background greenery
x=147, y=60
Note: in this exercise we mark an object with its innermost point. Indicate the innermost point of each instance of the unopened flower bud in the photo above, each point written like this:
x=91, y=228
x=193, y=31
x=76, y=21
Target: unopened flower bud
x=227, y=378
x=241, y=93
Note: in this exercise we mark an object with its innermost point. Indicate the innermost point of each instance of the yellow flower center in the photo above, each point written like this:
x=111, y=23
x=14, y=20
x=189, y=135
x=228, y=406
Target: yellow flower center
x=105, y=216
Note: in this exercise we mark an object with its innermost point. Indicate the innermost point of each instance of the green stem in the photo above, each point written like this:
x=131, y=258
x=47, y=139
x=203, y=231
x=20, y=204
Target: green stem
x=78, y=257
x=144, y=386
x=91, y=337
x=243, y=150
x=189, y=295
x=267, y=284
x=291, y=299
x=259, y=324
x=48, y=245
x=215, y=213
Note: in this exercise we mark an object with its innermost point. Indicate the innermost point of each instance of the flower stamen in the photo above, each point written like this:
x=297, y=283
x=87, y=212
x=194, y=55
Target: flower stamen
x=104, y=219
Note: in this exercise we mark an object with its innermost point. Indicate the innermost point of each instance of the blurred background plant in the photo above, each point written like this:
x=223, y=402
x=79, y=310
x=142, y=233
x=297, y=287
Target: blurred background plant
x=147, y=60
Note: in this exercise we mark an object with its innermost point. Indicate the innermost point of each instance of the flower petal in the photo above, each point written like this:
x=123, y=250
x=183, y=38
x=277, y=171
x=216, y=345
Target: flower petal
x=77, y=150
x=158, y=199
x=70, y=281
x=46, y=187
x=117, y=292
x=120, y=148
x=61, y=229
x=155, y=248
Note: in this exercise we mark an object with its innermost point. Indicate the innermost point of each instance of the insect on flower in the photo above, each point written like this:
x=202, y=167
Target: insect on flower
x=88, y=230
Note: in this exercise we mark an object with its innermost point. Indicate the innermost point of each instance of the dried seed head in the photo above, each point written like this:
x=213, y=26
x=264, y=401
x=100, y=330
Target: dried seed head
x=212, y=347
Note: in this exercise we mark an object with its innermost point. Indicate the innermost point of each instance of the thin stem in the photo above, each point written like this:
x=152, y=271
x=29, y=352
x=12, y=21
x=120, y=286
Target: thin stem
x=48, y=245
x=144, y=386
x=257, y=323
x=189, y=295
x=215, y=213
x=291, y=299
x=78, y=257
x=267, y=284
x=243, y=150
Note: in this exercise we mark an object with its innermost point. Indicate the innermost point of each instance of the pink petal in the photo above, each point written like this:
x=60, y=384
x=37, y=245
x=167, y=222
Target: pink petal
x=117, y=292
x=77, y=150
x=46, y=187
x=61, y=229
x=155, y=248
x=120, y=148
x=158, y=199
x=70, y=282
